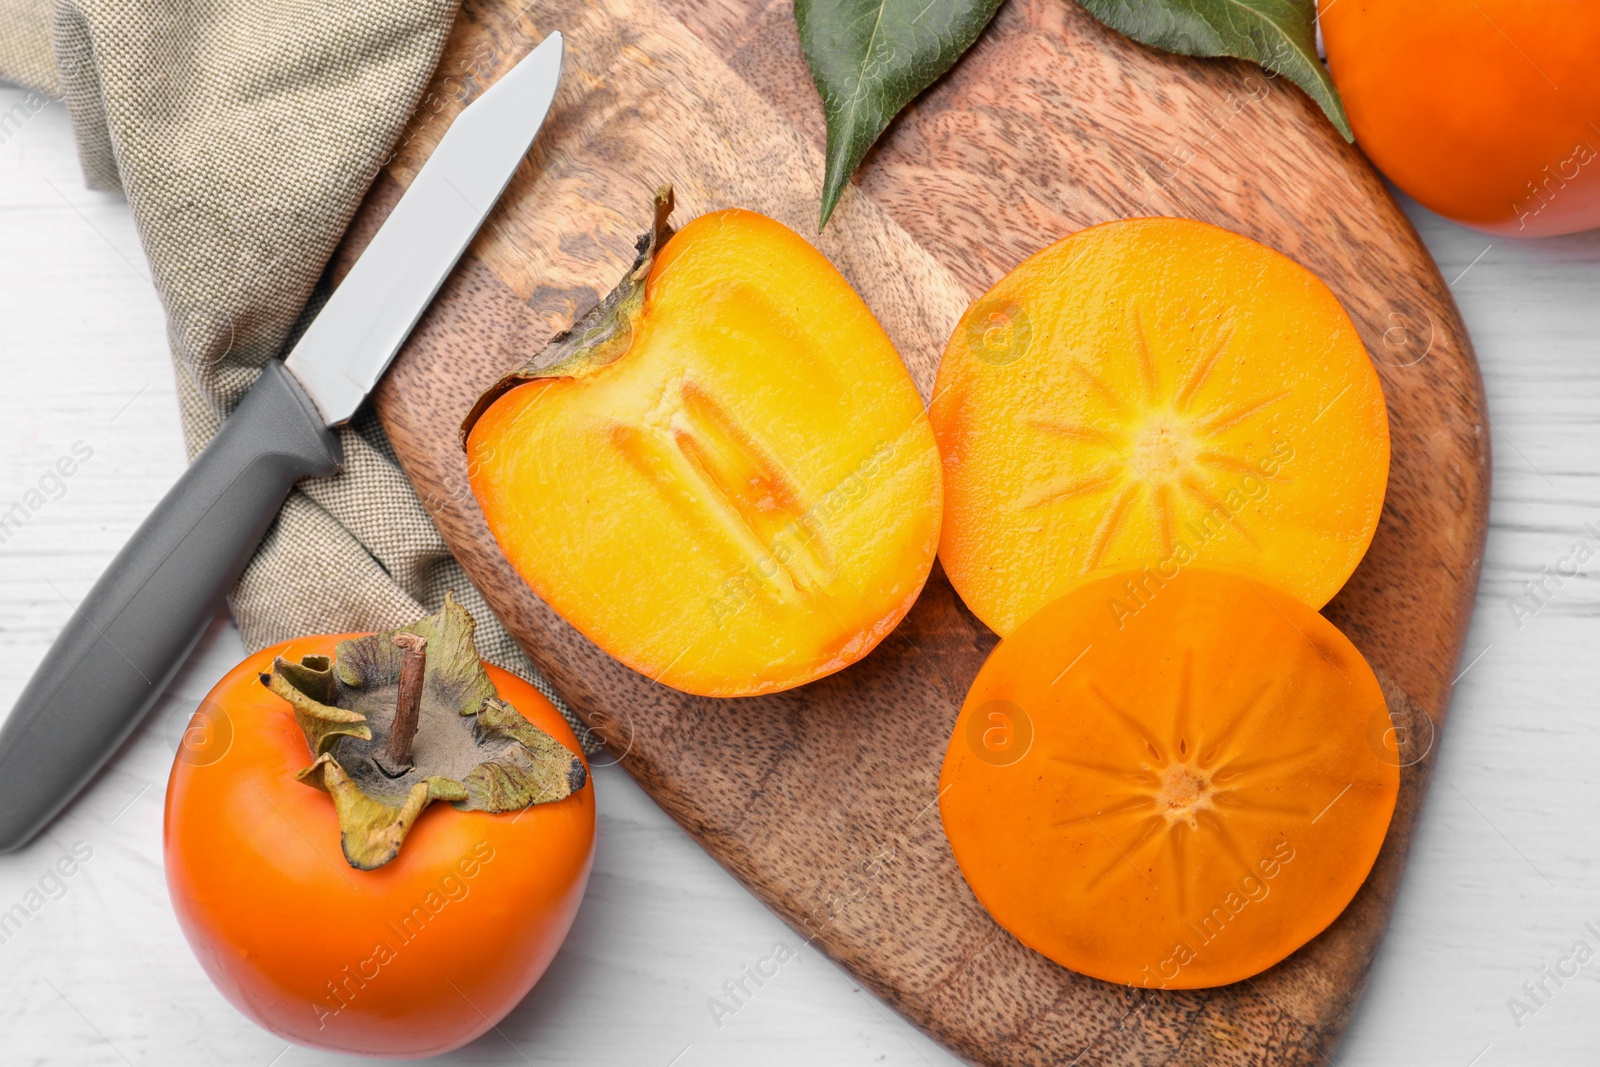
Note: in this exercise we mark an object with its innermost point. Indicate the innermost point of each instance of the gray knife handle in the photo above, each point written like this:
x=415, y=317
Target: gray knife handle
x=134, y=629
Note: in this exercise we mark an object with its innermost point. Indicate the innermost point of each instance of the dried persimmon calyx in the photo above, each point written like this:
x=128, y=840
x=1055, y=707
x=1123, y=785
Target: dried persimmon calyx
x=399, y=719
x=603, y=334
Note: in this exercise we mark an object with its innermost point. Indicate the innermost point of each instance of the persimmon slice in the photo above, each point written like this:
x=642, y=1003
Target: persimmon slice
x=1154, y=391
x=724, y=476
x=1178, y=797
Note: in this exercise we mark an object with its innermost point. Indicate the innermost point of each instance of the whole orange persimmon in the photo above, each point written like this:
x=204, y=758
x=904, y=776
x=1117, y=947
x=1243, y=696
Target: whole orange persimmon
x=272, y=815
x=1486, y=111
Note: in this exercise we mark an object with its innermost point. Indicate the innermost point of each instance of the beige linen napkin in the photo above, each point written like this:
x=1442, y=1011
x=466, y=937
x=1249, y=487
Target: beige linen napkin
x=244, y=136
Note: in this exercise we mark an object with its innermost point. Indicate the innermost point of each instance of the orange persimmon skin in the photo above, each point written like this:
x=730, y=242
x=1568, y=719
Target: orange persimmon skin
x=749, y=497
x=468, y=915
x=1483, y=110
x=1151, y=392
x=1176, y=798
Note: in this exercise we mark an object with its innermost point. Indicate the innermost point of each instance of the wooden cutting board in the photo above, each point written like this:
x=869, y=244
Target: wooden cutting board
x=822, y=800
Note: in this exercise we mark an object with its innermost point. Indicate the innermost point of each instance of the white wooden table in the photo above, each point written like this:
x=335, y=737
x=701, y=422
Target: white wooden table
x=1503, y=877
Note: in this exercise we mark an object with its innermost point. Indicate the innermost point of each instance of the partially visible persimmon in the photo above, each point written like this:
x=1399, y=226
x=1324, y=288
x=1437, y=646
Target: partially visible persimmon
x=1484, y=110
x=723, y=475
x=1147, y=393
x=1175, y=797
x=460, y=912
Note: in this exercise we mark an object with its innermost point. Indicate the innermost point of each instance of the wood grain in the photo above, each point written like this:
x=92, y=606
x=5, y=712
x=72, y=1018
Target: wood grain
x=821, y=799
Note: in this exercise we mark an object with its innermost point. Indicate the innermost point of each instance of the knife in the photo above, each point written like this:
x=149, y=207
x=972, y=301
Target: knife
x=137, y=625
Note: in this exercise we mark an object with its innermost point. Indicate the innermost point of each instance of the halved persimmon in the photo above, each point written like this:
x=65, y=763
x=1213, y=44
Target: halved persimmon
x=1154, y=391
x=723, y=475
x=1175, y=797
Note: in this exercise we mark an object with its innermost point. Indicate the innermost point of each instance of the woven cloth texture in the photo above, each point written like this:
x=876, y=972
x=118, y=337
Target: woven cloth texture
x=244, y=137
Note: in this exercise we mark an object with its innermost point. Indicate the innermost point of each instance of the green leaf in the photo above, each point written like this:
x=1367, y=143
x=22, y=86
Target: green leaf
x=1278, y=34
x=870, y=58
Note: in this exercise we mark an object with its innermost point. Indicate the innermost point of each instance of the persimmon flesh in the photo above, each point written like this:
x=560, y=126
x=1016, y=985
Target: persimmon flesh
x=1178, y=797
x=411, y=959
x=740, y=496
x=1151, y=392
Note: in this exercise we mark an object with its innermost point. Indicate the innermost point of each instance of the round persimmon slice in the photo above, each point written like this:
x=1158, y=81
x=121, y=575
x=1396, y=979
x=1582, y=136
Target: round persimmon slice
x=1174, y=797
x=1155, y=391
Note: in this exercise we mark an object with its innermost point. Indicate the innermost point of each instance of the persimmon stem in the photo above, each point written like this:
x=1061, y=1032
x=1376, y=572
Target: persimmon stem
x=397, y=756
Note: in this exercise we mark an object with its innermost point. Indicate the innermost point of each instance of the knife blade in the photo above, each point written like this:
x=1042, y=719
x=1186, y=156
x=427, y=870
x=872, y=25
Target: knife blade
x=139, y=622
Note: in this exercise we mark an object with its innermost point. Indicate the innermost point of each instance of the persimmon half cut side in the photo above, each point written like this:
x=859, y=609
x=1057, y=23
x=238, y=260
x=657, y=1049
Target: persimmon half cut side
x=1178, y=798
x=1152, y=392
x=736, y=490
